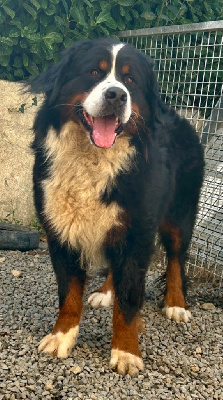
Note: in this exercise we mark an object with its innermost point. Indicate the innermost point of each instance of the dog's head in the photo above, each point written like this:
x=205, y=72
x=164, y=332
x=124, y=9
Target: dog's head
x=107, y=86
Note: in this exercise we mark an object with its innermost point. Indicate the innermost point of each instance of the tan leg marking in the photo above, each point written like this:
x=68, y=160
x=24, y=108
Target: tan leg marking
x=125, y=355
x=175, y=306
x=63, y=337
x=104, y=296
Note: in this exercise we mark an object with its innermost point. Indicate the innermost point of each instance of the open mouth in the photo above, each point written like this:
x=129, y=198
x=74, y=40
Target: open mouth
x=103, y=129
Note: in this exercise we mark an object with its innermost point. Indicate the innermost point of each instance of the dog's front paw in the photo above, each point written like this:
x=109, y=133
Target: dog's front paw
x=59, y=344
x=178, y=314
x=101, y=299
x=125, y=363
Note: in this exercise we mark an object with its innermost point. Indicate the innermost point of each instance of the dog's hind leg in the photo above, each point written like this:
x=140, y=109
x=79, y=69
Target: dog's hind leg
x=70, y=279
x=104, y=296
x=176, y=247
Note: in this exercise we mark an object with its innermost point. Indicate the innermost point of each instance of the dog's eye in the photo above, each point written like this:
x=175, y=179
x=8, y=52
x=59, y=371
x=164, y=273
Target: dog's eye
x=128, y=79
x=95, y=72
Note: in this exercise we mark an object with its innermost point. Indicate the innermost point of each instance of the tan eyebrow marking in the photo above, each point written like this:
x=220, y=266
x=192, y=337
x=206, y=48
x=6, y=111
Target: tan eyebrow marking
x=103, y=65
x=125, y=69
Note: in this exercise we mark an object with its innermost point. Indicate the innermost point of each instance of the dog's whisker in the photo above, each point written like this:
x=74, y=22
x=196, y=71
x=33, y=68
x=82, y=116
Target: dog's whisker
x=138, y=116
x=135, y=125
x=67, y=104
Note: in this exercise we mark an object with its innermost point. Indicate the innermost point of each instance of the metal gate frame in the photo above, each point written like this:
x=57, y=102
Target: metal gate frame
x=189, y=66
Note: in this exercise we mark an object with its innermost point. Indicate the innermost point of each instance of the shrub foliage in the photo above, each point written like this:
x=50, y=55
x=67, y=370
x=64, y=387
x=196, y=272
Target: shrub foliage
x=32, y=32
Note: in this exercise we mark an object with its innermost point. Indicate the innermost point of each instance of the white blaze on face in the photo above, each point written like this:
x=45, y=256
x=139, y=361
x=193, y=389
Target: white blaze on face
x=105, y=117
x=95, y=100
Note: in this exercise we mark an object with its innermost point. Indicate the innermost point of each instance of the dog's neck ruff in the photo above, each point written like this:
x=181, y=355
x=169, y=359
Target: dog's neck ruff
x=78, y=176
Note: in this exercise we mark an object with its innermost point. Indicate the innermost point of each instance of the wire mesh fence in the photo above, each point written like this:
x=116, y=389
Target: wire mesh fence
x=189, y=65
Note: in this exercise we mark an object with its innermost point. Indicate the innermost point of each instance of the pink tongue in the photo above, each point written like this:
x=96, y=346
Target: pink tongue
x=104, y=131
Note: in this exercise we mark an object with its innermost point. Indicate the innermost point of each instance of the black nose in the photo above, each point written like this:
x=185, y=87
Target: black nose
x=116, y=96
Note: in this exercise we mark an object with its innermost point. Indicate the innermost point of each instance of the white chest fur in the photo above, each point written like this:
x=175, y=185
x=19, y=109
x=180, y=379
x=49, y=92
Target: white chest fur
x=79, y=174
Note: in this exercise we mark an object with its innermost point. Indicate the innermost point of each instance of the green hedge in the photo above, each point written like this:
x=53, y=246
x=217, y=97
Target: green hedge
x=32, y=32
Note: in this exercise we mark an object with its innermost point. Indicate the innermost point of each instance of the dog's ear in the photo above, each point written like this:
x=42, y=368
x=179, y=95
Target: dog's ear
x=157, y=107
x=51, y=80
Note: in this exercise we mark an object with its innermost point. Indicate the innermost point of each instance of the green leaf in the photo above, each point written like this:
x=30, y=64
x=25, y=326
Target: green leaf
x=135, y=13
x=32, y=68
x=6, y=41
x=88, y=3
x=103, y=17
x=25, y=60
x=23, y=44
x=174, y=10
x=55, y=37
x=78, y=16
x=60, y=21
x=22, y=108
x=120, y=24
x=5, y=60
x=6, y=50
x=33, y=26
x=123, y=11
x=55, y=1
x=104, y=30
x=148, y=15
x=34, y=37
x=34, y=99
x=110, y=22
x=44, y=4
x=43, y=20
x=51, y=10
x=65, y=7
x=17, y=62
x=19, y=73
x=30, y=10
x=35, y=3
x=16, y=22
x=162, y=16
x=67, y=41
x=14, y=32
x=35, y=48
x=9, y=11
x=125, y=3
x=48, y=44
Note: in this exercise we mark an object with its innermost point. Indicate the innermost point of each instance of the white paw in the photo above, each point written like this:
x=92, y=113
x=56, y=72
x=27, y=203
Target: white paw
x=100, y=299
x=60, y=344
x=178, y=314
x=125, y=363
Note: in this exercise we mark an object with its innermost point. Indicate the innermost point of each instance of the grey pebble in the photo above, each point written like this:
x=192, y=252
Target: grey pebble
x=28, y=311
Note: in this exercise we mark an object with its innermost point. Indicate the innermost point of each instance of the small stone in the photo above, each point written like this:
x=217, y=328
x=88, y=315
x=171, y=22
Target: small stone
x=194, y=368
x=208, y=306
x=16, y=273
x=198, y=350
x=31, y=388
x=2, y=259
x=76, y=369
x=48, y=386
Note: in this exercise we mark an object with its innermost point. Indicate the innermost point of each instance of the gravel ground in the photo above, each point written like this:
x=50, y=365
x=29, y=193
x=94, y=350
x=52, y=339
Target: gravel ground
x=181, y=361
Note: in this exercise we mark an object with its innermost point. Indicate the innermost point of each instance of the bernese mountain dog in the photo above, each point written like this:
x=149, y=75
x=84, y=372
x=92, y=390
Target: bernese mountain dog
x=113, y=166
